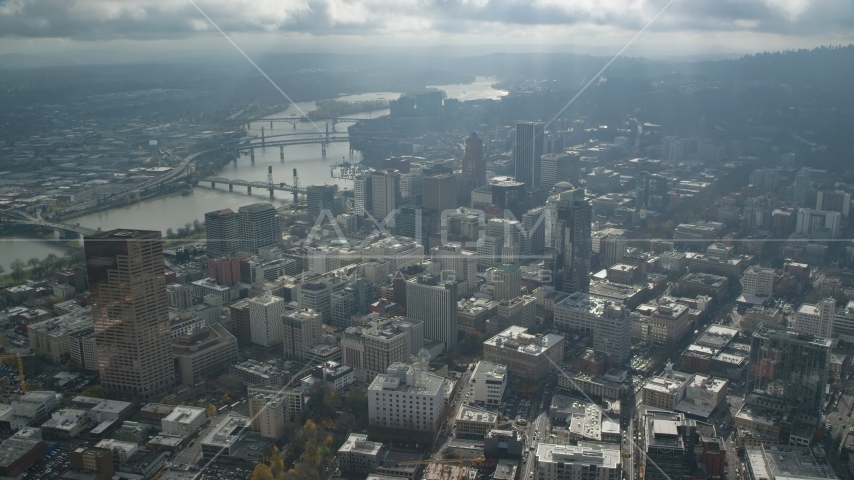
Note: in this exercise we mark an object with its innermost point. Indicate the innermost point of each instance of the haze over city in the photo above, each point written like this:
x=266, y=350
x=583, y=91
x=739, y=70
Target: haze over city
x=426, y=240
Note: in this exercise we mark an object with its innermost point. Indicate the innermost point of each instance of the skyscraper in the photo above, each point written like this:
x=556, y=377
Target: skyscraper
x=259, y=227
x=265, y=322
x=440, y=192
x=474, y=165
x=558, y=167
x=756, y=214
x=791, y=366
x=320, y=197
x=434, y=302
x=385, y=186
x=574, y=213
x=130, y=308
x=529, y=150
x=507, y=280
x=222, y=232
x=301, y=330
x=417, y=224
x=802, y=187
x=362, y=195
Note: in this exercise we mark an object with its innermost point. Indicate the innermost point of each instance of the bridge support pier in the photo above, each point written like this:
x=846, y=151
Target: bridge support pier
x=295, y=125
x=249, y=189
x=323, y=149
x=248, y=125
x=230, y=187
x=282, y=153
x=271, y=124
x=271, y=192
x=213, y=184
x=262, y=136
x=252, y=155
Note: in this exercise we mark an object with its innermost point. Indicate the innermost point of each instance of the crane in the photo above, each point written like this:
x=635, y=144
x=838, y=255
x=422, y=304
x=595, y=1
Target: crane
x=473, y=462
x=19, y=356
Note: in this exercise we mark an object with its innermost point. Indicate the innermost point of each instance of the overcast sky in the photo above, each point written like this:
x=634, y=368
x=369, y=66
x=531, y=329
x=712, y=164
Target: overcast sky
x=139, y=27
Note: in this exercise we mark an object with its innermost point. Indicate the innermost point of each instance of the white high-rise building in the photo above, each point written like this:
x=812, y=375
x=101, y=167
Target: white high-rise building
x=758, y=281
x=264, y=319
x=615, y=247
x=434, y=302
x=462, y=264
x=802, y=187
x=507, y=281
x=816, y=320
x=530, y=140
x=385, y=185
x=362, y=195
x=555, y=167
x=406, y=397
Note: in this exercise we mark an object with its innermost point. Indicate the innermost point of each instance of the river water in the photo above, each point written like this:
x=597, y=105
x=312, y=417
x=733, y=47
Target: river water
x=173, y=211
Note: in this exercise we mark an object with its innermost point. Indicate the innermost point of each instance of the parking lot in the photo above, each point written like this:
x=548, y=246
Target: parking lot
x=49, y=467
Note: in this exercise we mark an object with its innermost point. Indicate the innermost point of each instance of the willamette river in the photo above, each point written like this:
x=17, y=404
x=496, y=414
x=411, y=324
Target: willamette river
x=173, y=211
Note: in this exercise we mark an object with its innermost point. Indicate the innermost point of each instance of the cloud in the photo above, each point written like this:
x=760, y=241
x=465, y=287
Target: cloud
x=157, y=19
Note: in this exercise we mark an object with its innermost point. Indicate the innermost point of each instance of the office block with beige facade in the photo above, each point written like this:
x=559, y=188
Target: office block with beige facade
x=472, y=422
x=267, y=411
x=525, y=355
x=204, y=352
x=665, y=391
x=301, y=330
x=51, y=338
x=358, y=455
x=184, y=421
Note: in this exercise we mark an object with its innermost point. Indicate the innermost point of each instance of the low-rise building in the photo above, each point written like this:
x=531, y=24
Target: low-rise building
x=101, y=410
x=525, y=355
x=488, y=383
x=567, y=462
x=358, y=455
x=184, y=421
x=667, y=390
x=605, y=386
x=144, y=464
x=18, y=454
x=473, y=422
x=121, y=450
x=693, y=284
x=66, y=423
x=264, y=374
x=338, y=375
x=782, y=462
x=225, y=439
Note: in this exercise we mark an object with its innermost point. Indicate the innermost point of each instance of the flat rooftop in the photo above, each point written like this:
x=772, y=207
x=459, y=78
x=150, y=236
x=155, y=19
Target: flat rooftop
x=472, y=414
x=357, y=442
x=517, y=338
x=570, y=454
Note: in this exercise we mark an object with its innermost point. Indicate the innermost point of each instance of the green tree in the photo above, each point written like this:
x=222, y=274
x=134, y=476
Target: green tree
x=2, y=271
x=35, y=264
x=170, y=233
x=262, y=472
x=210, y=409
x=96, y=391
x=17, y=267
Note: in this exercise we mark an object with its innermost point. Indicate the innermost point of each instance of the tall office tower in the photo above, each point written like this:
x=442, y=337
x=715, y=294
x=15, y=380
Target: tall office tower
x=408, y=220
x=757, y=281
x=457, y=264
x=667, y=440
x=615, y=248
x=528, y=153
x=556, y=167
x=222, y=232
x=412, y=188
x=575, y=214
x=791, y=366
x=823, y=225
x=507, y=280
x=320, y=197
x=509, y=195
x=429, y=104
x=756, y=214
x=834, y=201
x=474, y=165
x=653, y=192
x=259, y=227
x=802, y=187
x=317, y=296
x=265, y=313
x=385, y=185
x=301, y=330
x=434, y=302
x=816, y=320
x=342, y=306
x=440, y=192
x=363, y=195
x=535, y=223
x=130, y=309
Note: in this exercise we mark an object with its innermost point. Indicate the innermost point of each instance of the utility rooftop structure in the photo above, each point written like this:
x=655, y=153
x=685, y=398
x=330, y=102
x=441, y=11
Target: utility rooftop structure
x=526, y=355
